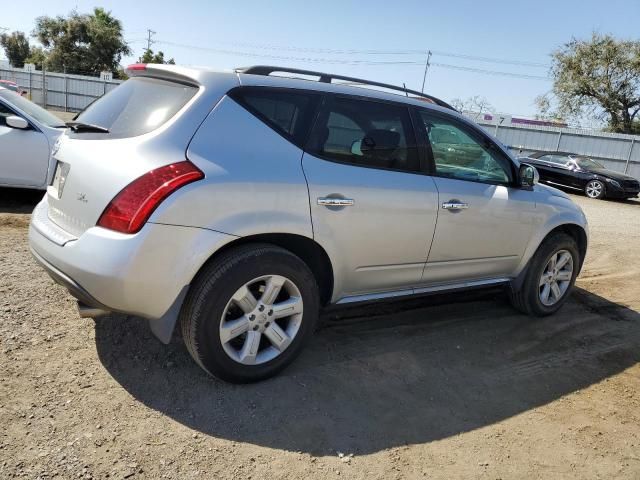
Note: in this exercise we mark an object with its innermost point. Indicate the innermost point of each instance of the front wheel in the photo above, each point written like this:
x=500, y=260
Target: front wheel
x=250, y=312
x=595, y=189
x=550, y=277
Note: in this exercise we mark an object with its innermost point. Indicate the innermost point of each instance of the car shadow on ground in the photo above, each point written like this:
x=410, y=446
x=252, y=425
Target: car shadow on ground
x=386, y=375
x=19, y=200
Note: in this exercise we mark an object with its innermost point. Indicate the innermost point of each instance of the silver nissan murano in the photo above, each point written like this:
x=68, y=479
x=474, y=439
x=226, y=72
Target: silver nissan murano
x=241, y=203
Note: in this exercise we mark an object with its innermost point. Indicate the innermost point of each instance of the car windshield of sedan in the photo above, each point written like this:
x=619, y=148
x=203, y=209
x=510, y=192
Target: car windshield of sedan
x=28, y=107
x=584, y=162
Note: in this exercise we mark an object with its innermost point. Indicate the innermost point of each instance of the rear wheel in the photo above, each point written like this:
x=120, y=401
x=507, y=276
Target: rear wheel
x=595, y=189
x=250, y=312
x=550, y=277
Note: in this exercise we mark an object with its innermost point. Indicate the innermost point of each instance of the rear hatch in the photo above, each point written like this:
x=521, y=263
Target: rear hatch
x=131, y=130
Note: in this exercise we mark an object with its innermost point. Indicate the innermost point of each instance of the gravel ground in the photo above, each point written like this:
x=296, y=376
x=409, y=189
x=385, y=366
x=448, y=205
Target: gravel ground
x=423, y=389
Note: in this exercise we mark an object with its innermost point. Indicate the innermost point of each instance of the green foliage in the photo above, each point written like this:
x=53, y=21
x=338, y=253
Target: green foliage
x=82, y=43
x=16, y=48
x=38, y=57
x=598, y=77
x=546, y=111
x=149, y=57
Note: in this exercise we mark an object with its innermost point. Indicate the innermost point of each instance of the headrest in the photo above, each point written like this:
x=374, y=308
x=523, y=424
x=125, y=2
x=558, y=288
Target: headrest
x=380, y=139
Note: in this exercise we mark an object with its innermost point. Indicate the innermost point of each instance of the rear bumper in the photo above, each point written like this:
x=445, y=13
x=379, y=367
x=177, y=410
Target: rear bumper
x=74, y=288
x=141, y=274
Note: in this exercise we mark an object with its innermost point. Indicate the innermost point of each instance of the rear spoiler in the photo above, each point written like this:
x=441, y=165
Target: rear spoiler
x=165, y=72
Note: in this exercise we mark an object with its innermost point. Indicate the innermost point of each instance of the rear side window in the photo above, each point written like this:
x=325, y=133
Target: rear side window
x=287, y=112
x=365, y=133
x=138, y=106
x=557, y=159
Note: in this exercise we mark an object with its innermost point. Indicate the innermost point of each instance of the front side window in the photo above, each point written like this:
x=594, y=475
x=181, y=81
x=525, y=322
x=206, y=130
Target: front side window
x=30, y=108
x=365, y=133
x=458, y=153
x=586, y=163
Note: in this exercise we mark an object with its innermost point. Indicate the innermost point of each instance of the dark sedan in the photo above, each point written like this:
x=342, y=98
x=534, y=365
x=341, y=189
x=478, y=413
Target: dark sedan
x=582, y=173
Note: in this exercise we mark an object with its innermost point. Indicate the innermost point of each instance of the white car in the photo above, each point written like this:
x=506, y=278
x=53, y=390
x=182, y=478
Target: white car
x=27, y=136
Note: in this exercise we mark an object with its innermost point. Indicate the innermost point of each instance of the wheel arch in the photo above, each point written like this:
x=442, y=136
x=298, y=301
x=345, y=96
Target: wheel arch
x=307, y=249
x=574, y=230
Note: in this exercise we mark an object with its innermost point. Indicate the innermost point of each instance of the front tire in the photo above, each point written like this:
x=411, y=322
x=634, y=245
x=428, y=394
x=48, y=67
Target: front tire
x=550, y=277
x=249, y=313
x=595, y=189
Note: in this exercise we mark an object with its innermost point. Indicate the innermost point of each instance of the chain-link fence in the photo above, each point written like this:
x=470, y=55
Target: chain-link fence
x=70, y=93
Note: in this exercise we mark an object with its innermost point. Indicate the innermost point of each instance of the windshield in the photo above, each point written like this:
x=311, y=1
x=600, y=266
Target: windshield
x=31, y=109
x=584, y=162
x=136, y=107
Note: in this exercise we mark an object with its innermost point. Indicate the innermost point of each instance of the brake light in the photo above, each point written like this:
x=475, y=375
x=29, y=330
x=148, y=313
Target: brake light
x=137, y=66
x=131, y=208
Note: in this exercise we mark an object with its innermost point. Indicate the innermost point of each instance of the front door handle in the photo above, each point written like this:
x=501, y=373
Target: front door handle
x=336, y=202
x=455, y=205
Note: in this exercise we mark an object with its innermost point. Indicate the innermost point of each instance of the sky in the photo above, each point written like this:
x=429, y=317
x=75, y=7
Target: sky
x=383, y=41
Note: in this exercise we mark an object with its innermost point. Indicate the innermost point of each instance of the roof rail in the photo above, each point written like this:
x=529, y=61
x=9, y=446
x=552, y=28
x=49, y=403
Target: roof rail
x=328, y=77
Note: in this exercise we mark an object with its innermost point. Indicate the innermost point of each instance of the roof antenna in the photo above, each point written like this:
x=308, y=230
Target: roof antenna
x=404, y=85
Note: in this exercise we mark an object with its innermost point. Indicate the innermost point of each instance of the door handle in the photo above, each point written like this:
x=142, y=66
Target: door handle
x=455, y=205
x=335, y=202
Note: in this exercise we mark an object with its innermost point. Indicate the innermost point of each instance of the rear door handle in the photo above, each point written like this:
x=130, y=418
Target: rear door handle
x=455, y=205
x=336, y=202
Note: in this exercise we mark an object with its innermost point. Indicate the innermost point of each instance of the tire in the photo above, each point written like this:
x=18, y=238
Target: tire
x=528, y=298
x=249, y=268
x=595, y=189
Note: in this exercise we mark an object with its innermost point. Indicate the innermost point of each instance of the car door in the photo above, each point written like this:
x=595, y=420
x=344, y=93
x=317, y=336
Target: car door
x=543, y=165
x=372, y=208
x=24, y=153
x=484, y=220
x=558, y=169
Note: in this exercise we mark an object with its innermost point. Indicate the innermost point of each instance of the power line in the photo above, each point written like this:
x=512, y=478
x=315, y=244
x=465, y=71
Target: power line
x=331, y=51
x=333, y=61
x=287, y=57
x=491, y=60
x=491, y=72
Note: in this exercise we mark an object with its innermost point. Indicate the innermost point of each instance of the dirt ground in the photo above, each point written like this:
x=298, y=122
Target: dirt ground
x=426, y=389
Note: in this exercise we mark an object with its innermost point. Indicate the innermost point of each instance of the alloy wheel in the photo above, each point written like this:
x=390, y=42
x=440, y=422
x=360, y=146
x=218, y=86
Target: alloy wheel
x=556, y=278
x=594, y=189
x=261, y=319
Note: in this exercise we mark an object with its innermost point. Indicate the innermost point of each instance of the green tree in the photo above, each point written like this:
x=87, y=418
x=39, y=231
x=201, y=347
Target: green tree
x=149, y=57
x=82, y=43
x=16, y=48
x=599, y=76
x=38, y=57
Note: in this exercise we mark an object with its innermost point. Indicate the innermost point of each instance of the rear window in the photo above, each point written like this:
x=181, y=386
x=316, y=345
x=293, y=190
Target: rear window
x=138, y=106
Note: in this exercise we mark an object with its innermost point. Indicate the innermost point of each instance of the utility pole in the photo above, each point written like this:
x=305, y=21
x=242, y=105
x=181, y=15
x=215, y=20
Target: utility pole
x=150, y=42
x=426, y=69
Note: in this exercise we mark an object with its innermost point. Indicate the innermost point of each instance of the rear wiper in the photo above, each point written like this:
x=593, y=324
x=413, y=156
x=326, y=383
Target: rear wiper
x=86, y=127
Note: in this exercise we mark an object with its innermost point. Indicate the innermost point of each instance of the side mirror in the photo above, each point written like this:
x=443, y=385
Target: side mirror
x=17, y=122
x=528, y=176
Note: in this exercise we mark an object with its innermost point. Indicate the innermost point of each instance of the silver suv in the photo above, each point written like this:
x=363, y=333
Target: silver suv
x=241, y=203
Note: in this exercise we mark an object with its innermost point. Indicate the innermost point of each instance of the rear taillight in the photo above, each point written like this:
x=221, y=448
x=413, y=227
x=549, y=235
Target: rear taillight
x=132, y=207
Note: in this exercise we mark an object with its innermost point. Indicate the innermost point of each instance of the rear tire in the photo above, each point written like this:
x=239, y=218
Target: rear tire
x=537, y=295
x=249, y=313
